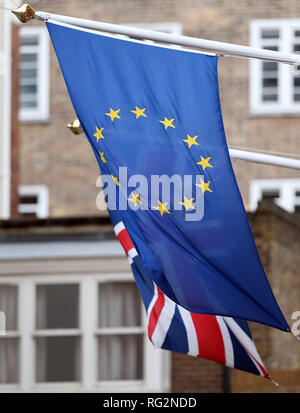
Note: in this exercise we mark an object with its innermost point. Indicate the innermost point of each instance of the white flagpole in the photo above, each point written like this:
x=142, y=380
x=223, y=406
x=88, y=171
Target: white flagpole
x=25, y=13
x=219, y=48
x=264, y=159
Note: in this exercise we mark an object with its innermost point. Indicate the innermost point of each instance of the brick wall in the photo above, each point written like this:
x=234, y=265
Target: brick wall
x=193, y=375
x=277, y=238
x=51, y=155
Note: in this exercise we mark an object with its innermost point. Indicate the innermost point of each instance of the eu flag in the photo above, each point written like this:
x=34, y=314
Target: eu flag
x=152, y=112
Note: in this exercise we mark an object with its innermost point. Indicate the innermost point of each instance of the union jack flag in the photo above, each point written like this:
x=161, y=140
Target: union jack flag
x=171, y=327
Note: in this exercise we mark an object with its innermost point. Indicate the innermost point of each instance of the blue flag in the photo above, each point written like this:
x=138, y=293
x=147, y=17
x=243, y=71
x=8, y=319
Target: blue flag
x=152, y=116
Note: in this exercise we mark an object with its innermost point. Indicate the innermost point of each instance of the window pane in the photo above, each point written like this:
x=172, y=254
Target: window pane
x=9, y=305
x=297, y=97
x=32, y=73
x=29, y=41
x=57, y=306
x=270, y=193
x=28, y=104
x=119, y=305
x=29, y=57
x=120, y=357
x=296, y=47
x=28, y=199
x=297, y=81
x=275, y=48
x=270, y=98
x=270, y=66
x=270, y=34
x=58, y=359
x=9, y=360
x=270, y=82
x=28, y=89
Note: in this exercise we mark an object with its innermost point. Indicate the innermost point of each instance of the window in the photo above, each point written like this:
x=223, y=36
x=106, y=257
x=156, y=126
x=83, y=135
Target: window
x=120, y=332
x=284, y=192
x=57, y=333
x=34, y=201
x=9, y=342
x=34, y=76
x=76, y=332
x=274, y=88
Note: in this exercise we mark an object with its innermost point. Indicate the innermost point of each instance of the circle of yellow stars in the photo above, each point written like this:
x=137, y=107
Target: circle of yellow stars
x=189, y=140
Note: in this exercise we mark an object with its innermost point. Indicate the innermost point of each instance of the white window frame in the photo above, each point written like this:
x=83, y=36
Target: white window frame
x=41, y=208
x=156, y=362
x=286, y=187
x=41, y=112
x=15, y=333
x=285, y=105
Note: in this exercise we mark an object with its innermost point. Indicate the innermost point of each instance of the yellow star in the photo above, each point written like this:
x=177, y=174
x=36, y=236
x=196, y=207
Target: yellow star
x=99, y=134
x=188, y=203
x=135, y=198
x=204, y=186
x=168, y=122
x=162, y=208
x=205, y=163
x=191, y=141
x=115, y=178
x=113, y=114
x=139, y=112
x=102, y=157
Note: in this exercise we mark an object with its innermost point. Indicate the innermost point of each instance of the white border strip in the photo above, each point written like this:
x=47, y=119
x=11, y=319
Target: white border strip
x=163, y=323
x=228, y=348
x=190, y=331
x=243, y=338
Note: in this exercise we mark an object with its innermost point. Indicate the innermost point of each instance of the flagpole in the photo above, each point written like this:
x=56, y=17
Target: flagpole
x=264, y=158
x=26, y=13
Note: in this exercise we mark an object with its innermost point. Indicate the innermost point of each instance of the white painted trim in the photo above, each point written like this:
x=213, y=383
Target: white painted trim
x=5, y=152
x=41, y=113
x=60, y=249
x=286, y=187
x=26, y=320
x=119, y=330
x=88, y=319
x=76, y=332
x=41, y=208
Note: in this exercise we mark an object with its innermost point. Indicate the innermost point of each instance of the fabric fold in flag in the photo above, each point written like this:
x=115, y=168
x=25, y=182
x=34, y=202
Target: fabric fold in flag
x=154, y=111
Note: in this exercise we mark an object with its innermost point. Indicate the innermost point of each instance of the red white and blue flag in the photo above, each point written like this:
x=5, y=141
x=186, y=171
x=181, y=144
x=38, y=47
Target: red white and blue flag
x=154, y=111
x=225, y=340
